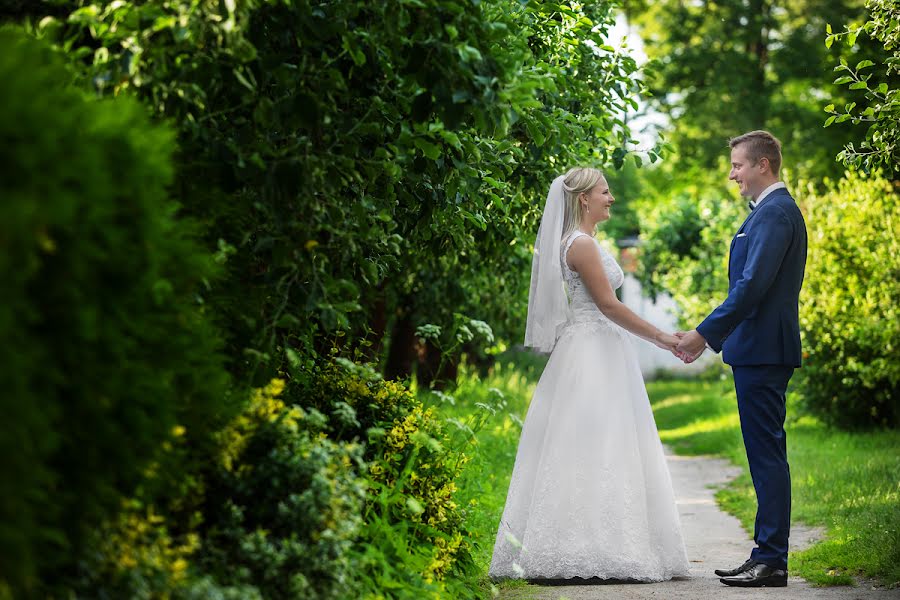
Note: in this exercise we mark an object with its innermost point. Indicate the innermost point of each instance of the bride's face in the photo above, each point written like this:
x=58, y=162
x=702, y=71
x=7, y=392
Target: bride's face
x=596, y=202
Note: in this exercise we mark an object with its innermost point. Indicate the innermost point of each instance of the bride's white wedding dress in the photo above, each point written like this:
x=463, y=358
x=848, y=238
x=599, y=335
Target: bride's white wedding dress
x=591, y=494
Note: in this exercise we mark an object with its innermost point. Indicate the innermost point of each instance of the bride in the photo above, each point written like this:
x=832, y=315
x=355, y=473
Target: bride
x=590, y=494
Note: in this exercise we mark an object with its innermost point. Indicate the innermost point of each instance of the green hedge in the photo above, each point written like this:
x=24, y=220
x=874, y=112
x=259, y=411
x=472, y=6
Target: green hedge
x=106, y=347
x=363, y=167
x=850, y=304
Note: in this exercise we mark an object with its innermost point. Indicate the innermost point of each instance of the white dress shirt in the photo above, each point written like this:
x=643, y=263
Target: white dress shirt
x=775, y=186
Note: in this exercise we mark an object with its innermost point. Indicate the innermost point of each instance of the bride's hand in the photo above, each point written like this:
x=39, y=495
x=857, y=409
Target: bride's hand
x=666, y=341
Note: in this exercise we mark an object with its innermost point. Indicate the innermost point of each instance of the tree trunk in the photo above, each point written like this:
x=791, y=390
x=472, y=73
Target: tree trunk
x=402, y=349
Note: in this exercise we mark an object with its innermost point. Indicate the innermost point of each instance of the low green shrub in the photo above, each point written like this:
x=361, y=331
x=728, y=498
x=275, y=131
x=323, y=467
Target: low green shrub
x=283, y=503
x=850, y=304
x=413, y=543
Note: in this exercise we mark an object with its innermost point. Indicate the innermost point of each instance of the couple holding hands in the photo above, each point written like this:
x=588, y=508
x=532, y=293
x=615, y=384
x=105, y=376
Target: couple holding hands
x=590, y=494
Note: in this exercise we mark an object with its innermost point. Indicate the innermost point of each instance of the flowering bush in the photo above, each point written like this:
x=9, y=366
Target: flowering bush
x=413, y=528
x=283, y=503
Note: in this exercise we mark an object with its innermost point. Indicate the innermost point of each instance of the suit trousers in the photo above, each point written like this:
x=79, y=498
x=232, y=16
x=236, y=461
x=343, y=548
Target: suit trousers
x=761, y=404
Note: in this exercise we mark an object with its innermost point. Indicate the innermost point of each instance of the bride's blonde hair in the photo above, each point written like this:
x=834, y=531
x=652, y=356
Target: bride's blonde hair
x=577, y=180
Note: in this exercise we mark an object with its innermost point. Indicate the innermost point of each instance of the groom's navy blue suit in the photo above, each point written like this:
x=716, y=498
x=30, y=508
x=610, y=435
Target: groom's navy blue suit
x=757, y=329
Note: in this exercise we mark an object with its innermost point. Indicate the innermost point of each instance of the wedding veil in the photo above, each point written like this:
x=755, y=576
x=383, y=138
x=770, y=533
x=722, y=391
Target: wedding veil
x=548, y=306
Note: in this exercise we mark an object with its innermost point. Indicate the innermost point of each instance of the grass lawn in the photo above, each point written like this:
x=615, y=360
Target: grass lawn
x=848, y=483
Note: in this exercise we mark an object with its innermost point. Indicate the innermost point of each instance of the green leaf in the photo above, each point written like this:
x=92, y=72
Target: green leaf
x=535, y=132
x=451, y=138
x=292, y=357
x=243, y=80
x=859, y=85
x=358, y=56
x=830, y=120
x=414, y=506
x=432, y=151
x=863, y=64
x=618, y=157
x=477, y=220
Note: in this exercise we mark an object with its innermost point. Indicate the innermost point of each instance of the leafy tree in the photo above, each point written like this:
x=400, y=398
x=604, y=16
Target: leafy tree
x=363, y=168
x=724, y=68
x=881, y=146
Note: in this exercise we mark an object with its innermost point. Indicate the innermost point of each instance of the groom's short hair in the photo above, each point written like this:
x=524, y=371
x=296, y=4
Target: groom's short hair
x=760, y=144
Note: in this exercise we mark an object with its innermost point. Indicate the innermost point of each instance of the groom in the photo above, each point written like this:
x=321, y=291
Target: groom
x=757, y=329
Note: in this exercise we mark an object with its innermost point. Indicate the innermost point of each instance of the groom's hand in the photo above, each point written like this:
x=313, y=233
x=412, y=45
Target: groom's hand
x=691, y=346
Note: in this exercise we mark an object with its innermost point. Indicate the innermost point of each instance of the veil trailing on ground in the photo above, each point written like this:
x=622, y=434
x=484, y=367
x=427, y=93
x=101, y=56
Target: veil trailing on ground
x=548, y=305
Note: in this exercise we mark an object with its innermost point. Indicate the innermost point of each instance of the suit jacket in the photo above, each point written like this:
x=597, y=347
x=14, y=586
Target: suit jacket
x=759, y=322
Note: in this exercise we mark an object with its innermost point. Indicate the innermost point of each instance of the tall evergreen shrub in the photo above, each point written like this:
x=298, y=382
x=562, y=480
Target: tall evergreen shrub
x=106, y=349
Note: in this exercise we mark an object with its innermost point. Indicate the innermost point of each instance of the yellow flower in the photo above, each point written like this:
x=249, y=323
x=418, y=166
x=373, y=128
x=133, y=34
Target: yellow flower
x=275, y=387
x=179, y=566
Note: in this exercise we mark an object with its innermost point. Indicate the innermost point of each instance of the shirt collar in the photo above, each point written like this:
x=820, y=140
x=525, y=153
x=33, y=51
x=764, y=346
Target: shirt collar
x=775, y=186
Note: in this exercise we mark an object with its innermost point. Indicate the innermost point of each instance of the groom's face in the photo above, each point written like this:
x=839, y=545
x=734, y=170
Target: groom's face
x=743, y=171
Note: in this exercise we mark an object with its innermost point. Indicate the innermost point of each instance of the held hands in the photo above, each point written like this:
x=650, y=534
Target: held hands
x=687, y=346
x=690, y=346
x=667, y=341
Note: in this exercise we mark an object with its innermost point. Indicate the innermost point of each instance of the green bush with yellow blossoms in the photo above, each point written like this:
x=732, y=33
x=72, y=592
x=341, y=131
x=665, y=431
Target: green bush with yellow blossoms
x=412, y=457
x=306, y=497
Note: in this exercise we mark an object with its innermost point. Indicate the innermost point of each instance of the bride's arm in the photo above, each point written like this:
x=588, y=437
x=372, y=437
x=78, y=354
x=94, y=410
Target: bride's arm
x=584, y=258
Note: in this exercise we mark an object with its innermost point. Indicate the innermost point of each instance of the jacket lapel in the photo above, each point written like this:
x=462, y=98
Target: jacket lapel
x=753, y=212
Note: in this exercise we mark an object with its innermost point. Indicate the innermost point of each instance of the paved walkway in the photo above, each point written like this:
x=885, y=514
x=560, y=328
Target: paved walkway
x=714, y=540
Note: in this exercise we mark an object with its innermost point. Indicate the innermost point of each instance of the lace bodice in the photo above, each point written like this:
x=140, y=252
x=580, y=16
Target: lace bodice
x=579, y=297
x=583, y=309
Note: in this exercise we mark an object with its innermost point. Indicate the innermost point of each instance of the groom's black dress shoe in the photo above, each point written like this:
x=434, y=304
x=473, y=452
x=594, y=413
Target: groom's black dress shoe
x=759, y=575
x=732, y=572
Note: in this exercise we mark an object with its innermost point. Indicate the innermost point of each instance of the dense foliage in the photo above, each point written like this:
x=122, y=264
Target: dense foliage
x=725, y=68
x=355, y=500
x=107, y=346
x=686, y=228
x=202, y=198
x=363, y=174
x=881, y=146
x=363, y=167
x=769, y=69
x=850, y=302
